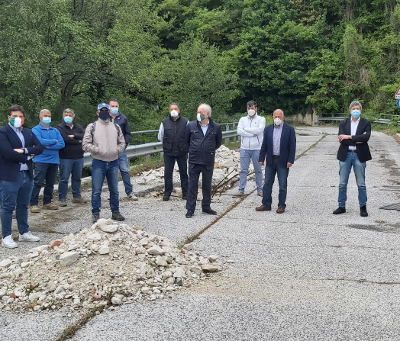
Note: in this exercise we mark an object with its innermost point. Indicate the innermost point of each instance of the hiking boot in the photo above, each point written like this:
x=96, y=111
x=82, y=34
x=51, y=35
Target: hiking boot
x=50, y=206
x=35, y=209
x=95, y=217
x=63, y=202
x=165, y=198
x=117, y=216
x=79, y=200
x=363, y=211
x=28, y=237
x=280, y=210
x=189, y=214
x=8, y=242
x=339, y=210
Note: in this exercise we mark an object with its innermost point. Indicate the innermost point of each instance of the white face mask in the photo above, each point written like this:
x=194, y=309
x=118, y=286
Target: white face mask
x=277, y=121
x=251, y=112
x=200, y=117
x=174, y=113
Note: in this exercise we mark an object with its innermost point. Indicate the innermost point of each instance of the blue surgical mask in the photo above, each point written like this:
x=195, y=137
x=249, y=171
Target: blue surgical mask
x=46, y=120
x=356, y=113
x=68, y=119
x=114, y=110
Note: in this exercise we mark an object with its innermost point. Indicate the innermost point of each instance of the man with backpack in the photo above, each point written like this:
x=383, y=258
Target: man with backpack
x=104, y=140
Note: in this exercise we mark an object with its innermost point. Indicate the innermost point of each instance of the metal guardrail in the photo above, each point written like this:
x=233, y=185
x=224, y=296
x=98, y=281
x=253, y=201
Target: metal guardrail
x=148, y=148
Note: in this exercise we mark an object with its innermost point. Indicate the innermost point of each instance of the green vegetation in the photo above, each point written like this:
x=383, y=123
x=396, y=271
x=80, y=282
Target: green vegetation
x=301, y=56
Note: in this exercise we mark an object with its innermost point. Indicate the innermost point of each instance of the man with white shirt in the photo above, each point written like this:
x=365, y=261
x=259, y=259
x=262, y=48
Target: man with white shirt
x=251, y=129
x=354, y=134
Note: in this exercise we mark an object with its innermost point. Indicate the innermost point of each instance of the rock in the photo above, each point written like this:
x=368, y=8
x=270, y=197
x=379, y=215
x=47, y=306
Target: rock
x=55, y=242
x=179, y=281
x=212, y=258
x=179, y=272
x=109, y=228
x=94, y=247
x=95, y=236
x=116, y=301
x=69, y=258
x=2, y=293
x=25, y=264
x=161, y=261
x=210, y=268
x=5, y=263
x=155, y=250
x=104, y=249
x=196, y=269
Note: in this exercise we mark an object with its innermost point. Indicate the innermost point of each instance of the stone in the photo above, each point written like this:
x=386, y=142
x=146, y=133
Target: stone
x=212, y=258
x=104, y=249
x=161, y=261
x=210, y=268
x=109, y=228
x=155, y=250
x=69, y=258
x=116, y=301
x=196, y=269
x=25, y=264
x=95, y=236
x=179, y=272
x=5, y=263
x=55, y=242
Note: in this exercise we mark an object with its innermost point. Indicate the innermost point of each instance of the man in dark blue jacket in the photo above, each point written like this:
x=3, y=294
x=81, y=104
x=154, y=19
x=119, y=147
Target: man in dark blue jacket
x=204, y=137
x=17, y=147
x=279, y=145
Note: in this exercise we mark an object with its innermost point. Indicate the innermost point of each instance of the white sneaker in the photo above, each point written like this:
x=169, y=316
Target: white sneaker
x=28, y=237
x=132, y=197
x=260, y=192
x=8, y=242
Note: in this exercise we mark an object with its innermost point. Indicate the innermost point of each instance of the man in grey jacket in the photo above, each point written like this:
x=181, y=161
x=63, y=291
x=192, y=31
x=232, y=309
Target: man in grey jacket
x=104, y=140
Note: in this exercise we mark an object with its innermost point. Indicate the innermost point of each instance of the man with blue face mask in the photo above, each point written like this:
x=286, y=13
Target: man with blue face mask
x=71, y=159
x=46, y=164
x=354, y=134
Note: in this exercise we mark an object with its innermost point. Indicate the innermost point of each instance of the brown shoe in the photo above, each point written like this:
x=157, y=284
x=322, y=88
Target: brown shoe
x=50, y=206
x=35, y=209
x=79, y=200
x=263, y=208
x=280, y=209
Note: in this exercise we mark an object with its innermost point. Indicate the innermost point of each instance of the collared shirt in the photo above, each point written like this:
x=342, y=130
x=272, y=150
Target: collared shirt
x=204, y=128
x=354, y=126
x=24, y=166
x=276, y=139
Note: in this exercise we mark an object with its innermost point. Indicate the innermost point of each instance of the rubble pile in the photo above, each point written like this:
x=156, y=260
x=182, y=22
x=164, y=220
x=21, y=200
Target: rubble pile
x=107, y=264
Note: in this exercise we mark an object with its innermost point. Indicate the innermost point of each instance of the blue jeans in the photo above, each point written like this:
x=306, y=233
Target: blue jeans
x=282, y=172
x=245, y=157
x=44, y=171
x=344, y=172
x=15, y=193
x=100, y=171
x=124, y=169
x=69, y=167
x=169, y=163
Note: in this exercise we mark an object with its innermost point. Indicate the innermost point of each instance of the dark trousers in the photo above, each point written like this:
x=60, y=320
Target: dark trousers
x=169, y=163
x=44, y=171
x=270, y=171
x=194, y=173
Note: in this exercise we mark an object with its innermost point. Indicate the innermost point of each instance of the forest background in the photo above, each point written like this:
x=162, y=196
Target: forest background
x=297, y=55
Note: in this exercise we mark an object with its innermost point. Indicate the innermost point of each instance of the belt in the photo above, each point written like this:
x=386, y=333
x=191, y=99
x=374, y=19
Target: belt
x=276, y=156
x=352, y=151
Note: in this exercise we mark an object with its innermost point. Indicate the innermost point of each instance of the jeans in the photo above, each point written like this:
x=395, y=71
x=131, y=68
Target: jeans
x=44, y=171
x=282, y=172
x=344, y=172
x=245, y=157
x=169, y=163
x=15, y=193
x=193, y=188
x=69, y=167
x=100, y=171
x=124, y=169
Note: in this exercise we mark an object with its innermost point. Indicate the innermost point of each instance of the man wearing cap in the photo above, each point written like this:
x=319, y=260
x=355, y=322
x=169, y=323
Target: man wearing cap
x=104, y=140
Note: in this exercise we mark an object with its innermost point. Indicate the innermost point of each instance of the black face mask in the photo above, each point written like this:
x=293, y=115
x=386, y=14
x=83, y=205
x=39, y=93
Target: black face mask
x=104, y=114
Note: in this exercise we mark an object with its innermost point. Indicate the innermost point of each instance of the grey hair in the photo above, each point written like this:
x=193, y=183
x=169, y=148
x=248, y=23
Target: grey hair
x=69, y=110
x=207, y=107
x=354, y=103
x=43, y=111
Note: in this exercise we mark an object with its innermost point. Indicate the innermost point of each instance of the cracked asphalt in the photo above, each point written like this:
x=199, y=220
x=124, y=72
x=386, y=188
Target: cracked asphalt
x=303, y=275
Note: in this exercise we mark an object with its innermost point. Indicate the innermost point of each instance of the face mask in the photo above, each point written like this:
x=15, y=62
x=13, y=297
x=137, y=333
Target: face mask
x=68, y=119
x=251, y=112
x=277, y=121
x=46, y=120
x=200, y=117
x=114, y=111
x=356, y=113
x=17, y=121
x=104, y=114
x=174, y=113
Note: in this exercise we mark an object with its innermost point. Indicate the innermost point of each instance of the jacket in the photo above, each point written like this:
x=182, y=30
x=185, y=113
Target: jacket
x=73, y=145
x=287, y=146
x=174, y=143
x=52, y=142
x=11, y=160
x=360, y=139
x=122, y=121
x=104, y=142
x=202, y=147
x=247, y=128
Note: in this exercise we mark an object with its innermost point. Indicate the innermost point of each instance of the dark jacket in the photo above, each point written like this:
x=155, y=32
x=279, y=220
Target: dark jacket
x=10, y=160
x=360, y=139
x=287, y=148
x=122, y=121
x=174, y=142
x=202, y=147
x=73, y=145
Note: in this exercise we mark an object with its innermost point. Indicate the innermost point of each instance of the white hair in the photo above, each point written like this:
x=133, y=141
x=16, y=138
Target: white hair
x=43, y=111
x=207, y=107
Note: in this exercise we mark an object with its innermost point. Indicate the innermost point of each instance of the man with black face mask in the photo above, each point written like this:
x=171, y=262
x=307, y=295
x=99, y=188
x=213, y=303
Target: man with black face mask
x=104, y=140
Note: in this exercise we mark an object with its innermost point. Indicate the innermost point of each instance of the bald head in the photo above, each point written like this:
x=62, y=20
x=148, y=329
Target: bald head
x=278, y=113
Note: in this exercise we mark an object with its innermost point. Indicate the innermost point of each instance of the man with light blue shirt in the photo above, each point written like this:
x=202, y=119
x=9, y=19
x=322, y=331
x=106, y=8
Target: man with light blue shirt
x=17, y=146
x=46, y=164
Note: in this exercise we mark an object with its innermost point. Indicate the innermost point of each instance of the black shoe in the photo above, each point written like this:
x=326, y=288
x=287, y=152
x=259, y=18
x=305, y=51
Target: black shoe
x=339, y=210
x=95, y=217
x=363, y=211
x=263, y=208
x=117, y=216
x=209, y=211
x=165, y=198
x=189, y=214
